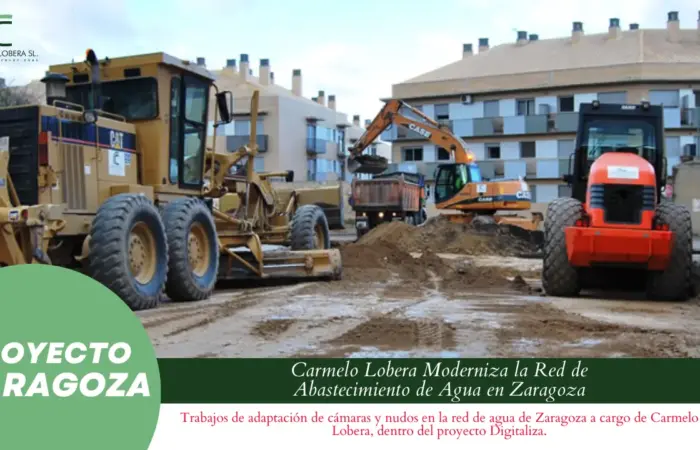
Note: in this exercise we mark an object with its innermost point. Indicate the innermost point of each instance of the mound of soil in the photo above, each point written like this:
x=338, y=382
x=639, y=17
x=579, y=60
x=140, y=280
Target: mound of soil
x=382, y=261
x=439, y=235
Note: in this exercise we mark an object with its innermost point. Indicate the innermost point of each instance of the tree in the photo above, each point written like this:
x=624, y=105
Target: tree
x=16, y=95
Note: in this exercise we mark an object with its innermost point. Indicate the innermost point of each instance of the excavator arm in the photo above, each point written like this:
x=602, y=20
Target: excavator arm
x=396, y=112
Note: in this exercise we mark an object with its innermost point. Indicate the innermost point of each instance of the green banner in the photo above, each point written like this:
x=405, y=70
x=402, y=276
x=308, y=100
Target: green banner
x=430, y=380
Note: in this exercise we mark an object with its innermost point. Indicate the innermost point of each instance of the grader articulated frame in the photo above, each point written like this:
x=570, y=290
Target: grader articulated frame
x=121, y=186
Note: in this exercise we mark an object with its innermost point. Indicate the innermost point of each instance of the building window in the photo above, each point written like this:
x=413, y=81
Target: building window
x=493, y=151
x=613, y=98
x=527, y=149
x=566, y=104
x=492, y=109
x=442, y=154
x=526, y=107
x=413, y=154
x=373, y=150
x=241, y=127
x=565, y=148
x=442, y=112
x=666, y=98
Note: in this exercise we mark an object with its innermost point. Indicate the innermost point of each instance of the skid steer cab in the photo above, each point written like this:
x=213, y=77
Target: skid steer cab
x=616, y=227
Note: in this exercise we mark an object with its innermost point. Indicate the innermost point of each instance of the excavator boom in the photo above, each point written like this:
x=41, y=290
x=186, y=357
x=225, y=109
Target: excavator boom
x=458, y=184
x=397, y=112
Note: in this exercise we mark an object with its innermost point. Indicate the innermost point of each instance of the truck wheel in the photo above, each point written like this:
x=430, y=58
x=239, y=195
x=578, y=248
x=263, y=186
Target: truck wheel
x=674, y=283
x=559, y=278
x=310, y=229
x=128, y=250
x=193, y=250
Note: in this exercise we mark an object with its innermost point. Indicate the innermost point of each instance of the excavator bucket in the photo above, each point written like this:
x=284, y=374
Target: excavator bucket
x=370, y=164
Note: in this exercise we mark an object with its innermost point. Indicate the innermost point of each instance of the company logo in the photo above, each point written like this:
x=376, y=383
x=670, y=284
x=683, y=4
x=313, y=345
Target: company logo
x=8, y=52
x=5, y=19
x=419, y=130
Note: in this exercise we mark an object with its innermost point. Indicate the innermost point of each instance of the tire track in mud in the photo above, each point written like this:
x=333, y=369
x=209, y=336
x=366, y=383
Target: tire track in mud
x=214, y=312
x=396, y=330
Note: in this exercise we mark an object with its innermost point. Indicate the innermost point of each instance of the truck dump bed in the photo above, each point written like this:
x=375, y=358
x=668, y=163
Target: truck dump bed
x=390, y=192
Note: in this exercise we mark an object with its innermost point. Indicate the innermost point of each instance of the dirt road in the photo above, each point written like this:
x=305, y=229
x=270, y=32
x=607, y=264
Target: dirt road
x=400, y=304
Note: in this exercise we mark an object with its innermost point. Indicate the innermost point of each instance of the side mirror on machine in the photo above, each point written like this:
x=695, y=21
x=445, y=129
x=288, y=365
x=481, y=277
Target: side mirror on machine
x=568, y=178
x=224, y=103
x=664, y=167
x=290, y=176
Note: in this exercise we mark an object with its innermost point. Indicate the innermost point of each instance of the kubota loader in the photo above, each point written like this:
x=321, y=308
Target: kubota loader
x=616, y=224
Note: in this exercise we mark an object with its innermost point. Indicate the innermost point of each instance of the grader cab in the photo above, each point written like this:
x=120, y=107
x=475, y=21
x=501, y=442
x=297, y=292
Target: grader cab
x=113, y=177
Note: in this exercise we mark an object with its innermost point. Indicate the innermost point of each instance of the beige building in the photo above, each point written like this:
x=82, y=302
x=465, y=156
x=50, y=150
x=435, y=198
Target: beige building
x=516, y=104
x=306, y=135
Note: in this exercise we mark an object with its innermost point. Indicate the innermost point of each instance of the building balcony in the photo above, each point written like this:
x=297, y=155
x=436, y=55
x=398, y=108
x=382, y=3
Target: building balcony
x=565, y=122
x=316, y=146
x=535, y=124
x=488, y=126
x=233, y=143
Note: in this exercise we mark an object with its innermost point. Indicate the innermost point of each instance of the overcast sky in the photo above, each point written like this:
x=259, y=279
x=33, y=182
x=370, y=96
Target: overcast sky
x=353, y=49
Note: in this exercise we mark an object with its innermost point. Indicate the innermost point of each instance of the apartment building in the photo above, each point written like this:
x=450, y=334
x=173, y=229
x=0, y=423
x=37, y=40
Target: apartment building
x=306, y=135
x=516, y=104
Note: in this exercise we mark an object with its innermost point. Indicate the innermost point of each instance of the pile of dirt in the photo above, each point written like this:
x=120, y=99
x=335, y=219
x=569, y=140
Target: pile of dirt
x=470, y=276
x=398, y=334
x=382, y=261
x=439, y=235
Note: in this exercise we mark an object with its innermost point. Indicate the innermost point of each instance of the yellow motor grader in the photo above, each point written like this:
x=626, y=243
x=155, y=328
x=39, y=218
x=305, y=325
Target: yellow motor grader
x=112, y=177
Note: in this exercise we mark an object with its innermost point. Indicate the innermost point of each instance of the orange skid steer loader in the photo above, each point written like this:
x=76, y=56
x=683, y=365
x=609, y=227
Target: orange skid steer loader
x=616, y=226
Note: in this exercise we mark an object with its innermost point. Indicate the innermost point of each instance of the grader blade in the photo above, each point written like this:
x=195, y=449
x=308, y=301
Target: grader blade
x=303, y=264
x=286, y=264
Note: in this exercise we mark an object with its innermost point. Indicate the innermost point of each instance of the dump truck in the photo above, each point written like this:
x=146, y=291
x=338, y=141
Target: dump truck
x=388, y=197
x=616, y=227
x=112, y=177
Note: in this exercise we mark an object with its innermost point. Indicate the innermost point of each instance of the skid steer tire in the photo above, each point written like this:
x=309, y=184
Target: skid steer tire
x=193, y=250
x=128, y=226
x=559, y=278
x=310, y=229
x=675, y=283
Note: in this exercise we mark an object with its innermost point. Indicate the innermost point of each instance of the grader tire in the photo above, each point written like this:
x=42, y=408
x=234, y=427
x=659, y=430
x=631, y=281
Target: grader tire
x=193, y=250
x=310, y=229
x=559, y=278
x=674, y=283
x=128, y=250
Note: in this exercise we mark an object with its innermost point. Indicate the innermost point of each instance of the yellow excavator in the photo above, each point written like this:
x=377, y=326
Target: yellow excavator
x=459, y=185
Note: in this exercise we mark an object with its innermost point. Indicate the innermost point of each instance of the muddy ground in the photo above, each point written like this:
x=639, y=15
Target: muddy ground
x=438, y=290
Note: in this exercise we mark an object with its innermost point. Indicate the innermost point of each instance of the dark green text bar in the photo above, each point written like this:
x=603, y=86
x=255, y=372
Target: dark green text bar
x=430, y=380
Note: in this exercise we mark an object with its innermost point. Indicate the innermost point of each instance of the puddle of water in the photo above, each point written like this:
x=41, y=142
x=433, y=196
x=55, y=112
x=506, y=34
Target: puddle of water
x=280, y=318
x=370, y=352
x=583, y=343
x=526, y=345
